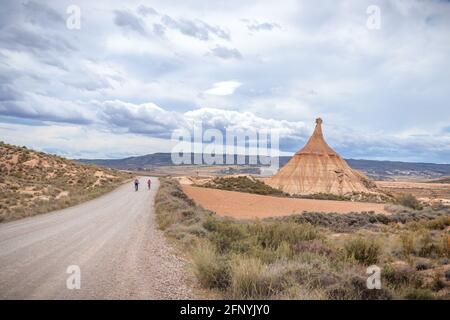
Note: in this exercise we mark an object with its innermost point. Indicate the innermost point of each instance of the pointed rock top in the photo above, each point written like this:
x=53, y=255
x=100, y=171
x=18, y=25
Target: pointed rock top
x=316, y=143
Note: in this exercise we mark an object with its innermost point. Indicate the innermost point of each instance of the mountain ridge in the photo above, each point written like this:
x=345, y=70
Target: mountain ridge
x=376, y=169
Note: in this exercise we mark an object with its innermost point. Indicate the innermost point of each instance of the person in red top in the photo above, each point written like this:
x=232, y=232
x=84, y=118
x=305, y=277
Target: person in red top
x=149, y=183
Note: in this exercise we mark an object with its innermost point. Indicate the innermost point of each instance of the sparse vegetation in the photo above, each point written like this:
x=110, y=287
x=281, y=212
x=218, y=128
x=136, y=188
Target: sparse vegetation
x=33, y=182
x=302, y=256
x=363, y=250
x=243, y=184
x=252, y=185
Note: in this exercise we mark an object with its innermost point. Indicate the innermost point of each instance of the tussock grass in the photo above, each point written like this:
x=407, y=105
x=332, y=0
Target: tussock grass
x=363, y=250
x=252, y=279
x=209, y=267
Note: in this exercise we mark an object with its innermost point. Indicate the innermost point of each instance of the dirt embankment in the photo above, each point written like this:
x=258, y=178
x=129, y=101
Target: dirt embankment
x=33, y=182
x=246, y=206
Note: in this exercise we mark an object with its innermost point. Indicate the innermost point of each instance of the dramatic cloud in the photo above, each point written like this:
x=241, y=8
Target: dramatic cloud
x=143, y=119
x=38, y=107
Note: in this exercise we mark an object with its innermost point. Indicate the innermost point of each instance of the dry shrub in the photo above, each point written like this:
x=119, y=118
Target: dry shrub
x=446, y=245
x=211, y=270
x=428, y=246
x=251, y=279
x=228, y=235
x=315, y=246
x=419, y=294
x=407, y=244
x=355, y=288
x=410, y=201
x=363, y=250
x=271, y=235
x=400, y=276
x=439, y=223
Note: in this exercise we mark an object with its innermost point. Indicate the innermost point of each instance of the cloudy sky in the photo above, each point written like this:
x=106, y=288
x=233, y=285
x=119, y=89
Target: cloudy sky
x=135, y=71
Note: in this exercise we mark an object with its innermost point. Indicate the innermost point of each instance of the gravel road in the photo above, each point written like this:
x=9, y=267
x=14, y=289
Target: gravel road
x=112, y=239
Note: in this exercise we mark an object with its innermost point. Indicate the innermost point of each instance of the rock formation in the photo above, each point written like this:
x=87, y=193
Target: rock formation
x=317, y=168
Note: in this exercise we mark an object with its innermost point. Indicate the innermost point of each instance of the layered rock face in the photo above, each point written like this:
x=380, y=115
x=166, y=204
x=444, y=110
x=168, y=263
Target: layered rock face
x=317, y=168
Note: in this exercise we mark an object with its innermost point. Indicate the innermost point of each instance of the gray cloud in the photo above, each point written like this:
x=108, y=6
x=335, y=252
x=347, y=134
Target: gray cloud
x=44, y=109
x=8, y=94
x=89, y=83
x=39, y=13
x=226, y=53
x=146, y=11
x=257, y=26
x=23, y=39
x=159, y=29
x=194, y=28
x=142, y=119
x=129, y=21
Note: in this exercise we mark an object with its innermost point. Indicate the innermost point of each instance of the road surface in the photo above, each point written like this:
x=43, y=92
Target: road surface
x=109, y=247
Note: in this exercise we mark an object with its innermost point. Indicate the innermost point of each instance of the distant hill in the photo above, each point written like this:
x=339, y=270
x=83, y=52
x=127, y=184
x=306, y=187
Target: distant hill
x=33, y=182
x=443, y=180
x=378, y=170
x=387, y=169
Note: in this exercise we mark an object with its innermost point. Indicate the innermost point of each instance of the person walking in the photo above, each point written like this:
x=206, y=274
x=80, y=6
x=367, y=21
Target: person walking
x=149, y=184
x=136, y=184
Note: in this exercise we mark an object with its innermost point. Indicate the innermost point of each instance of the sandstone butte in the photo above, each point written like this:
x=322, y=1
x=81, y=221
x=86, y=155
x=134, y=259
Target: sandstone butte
x=317, y=168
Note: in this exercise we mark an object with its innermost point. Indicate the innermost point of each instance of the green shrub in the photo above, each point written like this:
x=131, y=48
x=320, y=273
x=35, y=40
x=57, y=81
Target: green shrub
x=228, y=235
x=365, y=251
x=271, y=235
x=243, y=184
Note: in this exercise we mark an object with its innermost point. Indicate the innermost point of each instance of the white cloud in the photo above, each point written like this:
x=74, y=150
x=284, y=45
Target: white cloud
x=223, y=88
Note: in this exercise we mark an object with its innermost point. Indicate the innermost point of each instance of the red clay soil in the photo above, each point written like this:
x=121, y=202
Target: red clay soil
x=241, y=205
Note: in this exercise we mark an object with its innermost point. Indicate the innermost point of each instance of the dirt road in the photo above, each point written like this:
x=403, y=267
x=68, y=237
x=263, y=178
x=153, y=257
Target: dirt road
x=114, y=242
x=242, y=205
